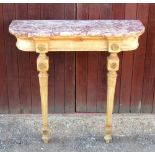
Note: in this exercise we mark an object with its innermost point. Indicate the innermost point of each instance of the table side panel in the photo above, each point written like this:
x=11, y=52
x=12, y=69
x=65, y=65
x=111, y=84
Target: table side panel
x=80, y=44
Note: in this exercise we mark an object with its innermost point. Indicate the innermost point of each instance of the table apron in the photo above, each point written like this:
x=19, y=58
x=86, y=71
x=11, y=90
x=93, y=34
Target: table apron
x=56, y=45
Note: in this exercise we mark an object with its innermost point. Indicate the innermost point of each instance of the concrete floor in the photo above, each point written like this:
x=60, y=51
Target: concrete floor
x=77, y=132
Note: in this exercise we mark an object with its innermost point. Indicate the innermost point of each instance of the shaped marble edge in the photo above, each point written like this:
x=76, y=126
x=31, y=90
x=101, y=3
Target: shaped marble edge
x=81, y=43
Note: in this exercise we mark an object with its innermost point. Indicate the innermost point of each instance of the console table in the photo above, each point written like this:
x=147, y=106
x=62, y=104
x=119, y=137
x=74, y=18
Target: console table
x=43, y=36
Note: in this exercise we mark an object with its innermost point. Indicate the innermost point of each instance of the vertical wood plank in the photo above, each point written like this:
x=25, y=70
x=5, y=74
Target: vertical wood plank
x=118, y=12
x=94, y=13
x=127, y=64
x=59, y=67
x=105, y=13
x=149, y=73
x=59, y=83
x=70, y=13
x=153, y=106
x=11, y=60
x=81, y=67
x=102, y=83
x=4, y=104
x=24, y=67
x=92, y=82
x=138, y=64
x=56, y=11
x=34, y=13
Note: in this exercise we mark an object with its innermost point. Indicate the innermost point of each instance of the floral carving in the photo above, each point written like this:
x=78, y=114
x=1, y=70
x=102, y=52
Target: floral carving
x=41, y=47
x=113, y=65
x=114, y=47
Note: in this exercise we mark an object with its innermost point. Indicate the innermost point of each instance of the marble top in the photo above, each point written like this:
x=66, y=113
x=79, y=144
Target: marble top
x=49, y=28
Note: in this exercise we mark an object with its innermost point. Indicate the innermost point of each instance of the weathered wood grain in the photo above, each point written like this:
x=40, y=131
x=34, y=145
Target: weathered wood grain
x=138, y=62
x=11, y=60
x=70, y=13
x=127, y=66
x=34, y=11
x=72, y=76
x=4, y=103
x=81, y=67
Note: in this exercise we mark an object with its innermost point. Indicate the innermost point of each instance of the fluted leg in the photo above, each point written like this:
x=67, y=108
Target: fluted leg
x=112, y=66
x=42, y=67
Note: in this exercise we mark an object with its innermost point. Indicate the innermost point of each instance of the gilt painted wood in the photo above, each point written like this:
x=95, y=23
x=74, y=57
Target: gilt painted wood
x=41, y=36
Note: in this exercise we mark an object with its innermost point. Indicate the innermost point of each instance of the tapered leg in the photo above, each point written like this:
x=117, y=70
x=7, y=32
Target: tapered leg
x=112, y=66
x=42, y=67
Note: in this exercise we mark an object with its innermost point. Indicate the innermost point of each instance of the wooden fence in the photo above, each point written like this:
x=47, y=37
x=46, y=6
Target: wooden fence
x=77, y=81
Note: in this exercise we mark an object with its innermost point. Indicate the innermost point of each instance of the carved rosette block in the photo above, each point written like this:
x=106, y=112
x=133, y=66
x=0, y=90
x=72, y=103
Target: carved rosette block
x=113, y=67
x=42, y=67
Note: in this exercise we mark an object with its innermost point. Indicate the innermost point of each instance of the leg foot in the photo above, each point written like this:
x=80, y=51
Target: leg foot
x=45, y=136
x=108, y=139
x=108, y=134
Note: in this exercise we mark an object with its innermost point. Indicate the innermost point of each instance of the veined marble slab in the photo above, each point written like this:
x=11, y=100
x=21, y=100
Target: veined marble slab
x=102, y=28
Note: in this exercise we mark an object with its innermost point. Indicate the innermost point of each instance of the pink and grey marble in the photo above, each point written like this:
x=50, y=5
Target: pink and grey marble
x=104, y=28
